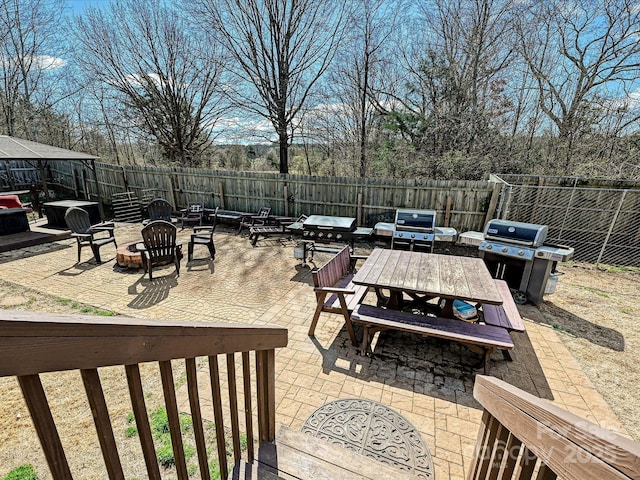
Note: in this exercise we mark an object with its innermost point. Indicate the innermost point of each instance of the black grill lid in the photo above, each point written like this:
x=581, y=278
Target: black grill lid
x=520, y=233
x=334, y=224
x=416, y=220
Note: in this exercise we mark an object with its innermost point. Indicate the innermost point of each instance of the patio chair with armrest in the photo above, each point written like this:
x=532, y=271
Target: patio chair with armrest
x=158, y=209
x=263, y=217
x=160, y=246
x=192, y=214
x=203, y=235
x=88, y=235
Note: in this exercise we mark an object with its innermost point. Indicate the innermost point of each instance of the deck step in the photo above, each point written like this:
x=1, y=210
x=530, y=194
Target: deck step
x=299, y=456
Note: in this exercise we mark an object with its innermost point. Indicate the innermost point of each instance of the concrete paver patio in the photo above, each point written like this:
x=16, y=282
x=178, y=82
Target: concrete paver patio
x=429, y=382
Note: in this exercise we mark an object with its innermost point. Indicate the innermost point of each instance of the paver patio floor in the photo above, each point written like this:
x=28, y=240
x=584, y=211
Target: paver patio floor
x=429, y=382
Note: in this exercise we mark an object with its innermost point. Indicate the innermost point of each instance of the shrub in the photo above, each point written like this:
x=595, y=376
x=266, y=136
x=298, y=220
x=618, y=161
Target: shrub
x=23, y=472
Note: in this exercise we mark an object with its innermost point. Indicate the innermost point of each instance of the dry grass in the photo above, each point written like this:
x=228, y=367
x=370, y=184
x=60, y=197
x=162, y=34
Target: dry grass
x=69, y=405
x=594, y=311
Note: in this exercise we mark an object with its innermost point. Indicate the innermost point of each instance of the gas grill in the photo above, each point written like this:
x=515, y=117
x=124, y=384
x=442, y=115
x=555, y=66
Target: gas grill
x=414, y=230
x=329, y=230
x=516, y=252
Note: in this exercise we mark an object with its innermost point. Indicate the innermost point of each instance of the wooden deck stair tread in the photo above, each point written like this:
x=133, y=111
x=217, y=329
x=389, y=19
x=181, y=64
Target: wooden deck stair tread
x=297, y=455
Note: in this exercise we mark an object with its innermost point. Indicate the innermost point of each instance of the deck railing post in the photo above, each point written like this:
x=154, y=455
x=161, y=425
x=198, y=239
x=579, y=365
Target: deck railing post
x=266, y=388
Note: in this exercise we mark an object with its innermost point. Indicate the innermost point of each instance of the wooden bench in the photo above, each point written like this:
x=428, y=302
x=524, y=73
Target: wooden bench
x=506, y=315
x=334, y=278
x=481, y=338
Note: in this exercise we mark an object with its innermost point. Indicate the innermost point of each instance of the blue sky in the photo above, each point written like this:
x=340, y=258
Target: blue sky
x=76, y=7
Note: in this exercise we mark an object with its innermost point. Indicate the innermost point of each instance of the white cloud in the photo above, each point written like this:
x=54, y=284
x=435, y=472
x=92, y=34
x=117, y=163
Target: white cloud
x=135, y=79
x=243, y=131
x=46, y=62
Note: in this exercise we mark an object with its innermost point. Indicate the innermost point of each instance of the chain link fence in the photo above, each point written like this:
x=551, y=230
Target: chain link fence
x=601, y=224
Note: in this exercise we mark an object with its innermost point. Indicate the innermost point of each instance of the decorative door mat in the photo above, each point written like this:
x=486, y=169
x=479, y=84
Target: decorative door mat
x=373, y=430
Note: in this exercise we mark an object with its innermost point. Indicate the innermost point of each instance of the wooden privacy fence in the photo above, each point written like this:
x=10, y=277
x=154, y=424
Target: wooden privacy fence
x=464, y=205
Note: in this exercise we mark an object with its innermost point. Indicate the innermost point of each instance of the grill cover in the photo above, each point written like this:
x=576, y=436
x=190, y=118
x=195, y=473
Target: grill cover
x=520, y=233
x=334, y=224
x=415, y=220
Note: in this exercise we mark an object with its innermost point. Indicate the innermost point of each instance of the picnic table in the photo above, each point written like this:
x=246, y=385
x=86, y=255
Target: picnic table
x=448, y=277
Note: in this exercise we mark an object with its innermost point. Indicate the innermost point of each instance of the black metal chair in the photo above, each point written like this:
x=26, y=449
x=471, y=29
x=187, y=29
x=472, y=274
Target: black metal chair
x=158, y=209
x=86, y=235
x=203, y=235
x=192, y=214
x=160, y=246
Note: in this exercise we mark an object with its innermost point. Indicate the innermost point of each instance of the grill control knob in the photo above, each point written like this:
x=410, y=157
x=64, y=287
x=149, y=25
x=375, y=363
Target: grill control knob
x=305, y=234
x=505, y=249
x=339, y=236
x=329, y=235
x=413, y=235
x=400, y=235
x=521, y=252
x=320, y=235
x=489, y=247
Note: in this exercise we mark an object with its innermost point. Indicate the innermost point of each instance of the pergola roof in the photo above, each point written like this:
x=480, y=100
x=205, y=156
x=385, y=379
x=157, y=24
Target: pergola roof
x=12, y=148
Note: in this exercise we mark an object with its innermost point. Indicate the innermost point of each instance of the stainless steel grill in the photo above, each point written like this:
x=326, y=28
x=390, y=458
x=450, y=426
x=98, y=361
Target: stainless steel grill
x=516, y=253
x=414, y=230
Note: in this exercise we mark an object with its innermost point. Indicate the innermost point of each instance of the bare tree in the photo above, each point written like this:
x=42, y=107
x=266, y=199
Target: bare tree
x=280, y=48
x=166, y=75
x=583, y=56
x=28, y=89
x=457, y=70
x=356, y=79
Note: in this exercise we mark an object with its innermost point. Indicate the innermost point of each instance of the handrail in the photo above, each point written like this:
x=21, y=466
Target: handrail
x=35, y=343
x=522, y=434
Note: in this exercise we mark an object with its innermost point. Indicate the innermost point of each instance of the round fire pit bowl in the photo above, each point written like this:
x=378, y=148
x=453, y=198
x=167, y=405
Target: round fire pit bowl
x=128, y=256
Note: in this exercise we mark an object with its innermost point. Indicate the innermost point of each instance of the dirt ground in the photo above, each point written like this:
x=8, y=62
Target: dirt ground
x=594, y=310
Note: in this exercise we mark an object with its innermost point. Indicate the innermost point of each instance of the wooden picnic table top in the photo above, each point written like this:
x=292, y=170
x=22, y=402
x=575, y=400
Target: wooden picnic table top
x=445, y=276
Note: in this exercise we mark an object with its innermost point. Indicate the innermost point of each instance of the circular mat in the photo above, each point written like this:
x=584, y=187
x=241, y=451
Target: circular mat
x=373, y=430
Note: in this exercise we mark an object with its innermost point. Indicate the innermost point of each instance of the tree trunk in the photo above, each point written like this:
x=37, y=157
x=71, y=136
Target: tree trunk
x=284, y=152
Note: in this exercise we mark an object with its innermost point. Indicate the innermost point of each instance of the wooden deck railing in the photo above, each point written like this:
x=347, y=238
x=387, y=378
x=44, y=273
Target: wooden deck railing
x=35, y=343
x=523, y=437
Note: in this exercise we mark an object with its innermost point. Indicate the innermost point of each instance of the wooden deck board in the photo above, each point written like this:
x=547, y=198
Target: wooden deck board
x=38, y=235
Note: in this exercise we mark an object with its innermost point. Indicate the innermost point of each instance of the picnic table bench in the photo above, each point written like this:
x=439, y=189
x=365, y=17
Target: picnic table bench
x=334, y=278
x=506, y=315
x=481, y=338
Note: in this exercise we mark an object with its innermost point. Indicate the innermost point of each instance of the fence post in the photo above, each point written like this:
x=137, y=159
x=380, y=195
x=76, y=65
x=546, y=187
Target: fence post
x=285, y=191
x=359, y=210
x=493, y=202
x=222, y=201
x=613, y=223
x=566, y=213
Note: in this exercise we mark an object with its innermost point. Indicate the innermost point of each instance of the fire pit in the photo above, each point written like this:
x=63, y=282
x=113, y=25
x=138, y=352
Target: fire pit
x=128, y=256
